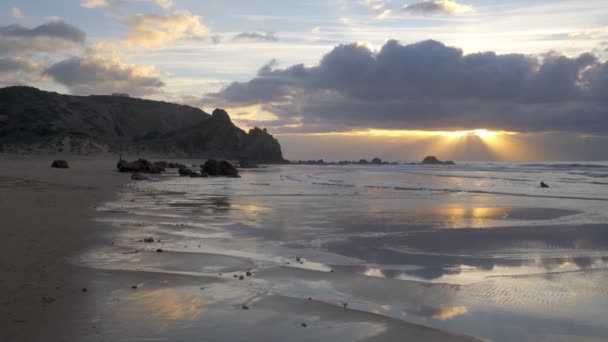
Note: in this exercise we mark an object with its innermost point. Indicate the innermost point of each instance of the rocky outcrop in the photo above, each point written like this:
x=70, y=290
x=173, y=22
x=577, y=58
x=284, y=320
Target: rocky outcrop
x=139, y=166
x=35, y=121
x=432, y=160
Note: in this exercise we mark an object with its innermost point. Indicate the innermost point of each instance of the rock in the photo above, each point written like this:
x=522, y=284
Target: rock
x=241, y=277
x=216, y=168
x=248, y=274
x=303, y=325
x=211, y=167
x=298, y=259
x=149, y=240
x=159, y=250
x=377, y=161
x=139, y=177
x=134, y=287
x=432, y=160
x=84, y=289
x=543, y=185
x=245, y=307
x=184, y=171
x=228, y=170
x=140, y=165
x=60, y=164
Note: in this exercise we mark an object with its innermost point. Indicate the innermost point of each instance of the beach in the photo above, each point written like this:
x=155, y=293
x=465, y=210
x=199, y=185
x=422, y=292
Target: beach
x=63, y=276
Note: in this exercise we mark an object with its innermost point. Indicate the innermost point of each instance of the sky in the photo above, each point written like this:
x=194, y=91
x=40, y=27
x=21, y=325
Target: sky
x=340, y=79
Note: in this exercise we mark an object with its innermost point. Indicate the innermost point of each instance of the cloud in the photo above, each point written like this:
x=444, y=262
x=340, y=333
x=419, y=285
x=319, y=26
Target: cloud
x=19, y=71
x=429, y=86
x=50, y=37
x=92, y=74
x=151, y=30
x=438, y=7
x=257, y=36
x=165, y=4
x=385, y=14
x=16, y=12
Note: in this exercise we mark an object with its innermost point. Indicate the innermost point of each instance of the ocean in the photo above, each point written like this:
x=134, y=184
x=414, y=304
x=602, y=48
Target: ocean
x=476, y=248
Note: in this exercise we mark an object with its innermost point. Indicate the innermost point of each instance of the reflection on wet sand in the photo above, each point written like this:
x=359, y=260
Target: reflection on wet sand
x=162, y=304
x=378, y=251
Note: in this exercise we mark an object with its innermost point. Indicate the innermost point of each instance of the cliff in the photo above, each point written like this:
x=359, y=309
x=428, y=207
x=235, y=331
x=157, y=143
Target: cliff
x=35, y=121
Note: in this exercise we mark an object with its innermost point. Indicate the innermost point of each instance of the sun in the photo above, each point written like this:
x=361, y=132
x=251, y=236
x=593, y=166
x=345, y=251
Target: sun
x=481, y=133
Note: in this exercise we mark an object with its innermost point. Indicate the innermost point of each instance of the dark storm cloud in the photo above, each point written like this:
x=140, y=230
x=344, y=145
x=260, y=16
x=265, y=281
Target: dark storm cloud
x=257, y=36
x=428, y=85
x=91, y=74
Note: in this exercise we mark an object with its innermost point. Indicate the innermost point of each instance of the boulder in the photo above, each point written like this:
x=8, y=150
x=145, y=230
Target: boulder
x=184, y=171
x=211, y=167
x=228, y=170
x=216, y=168
x=140, y=165
x=60, y=164
x=432, y=160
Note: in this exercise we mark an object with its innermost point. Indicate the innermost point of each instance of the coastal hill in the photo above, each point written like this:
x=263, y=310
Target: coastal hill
x=35, y=121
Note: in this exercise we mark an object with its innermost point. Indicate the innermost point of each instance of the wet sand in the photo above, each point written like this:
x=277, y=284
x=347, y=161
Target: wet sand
x=47, y=220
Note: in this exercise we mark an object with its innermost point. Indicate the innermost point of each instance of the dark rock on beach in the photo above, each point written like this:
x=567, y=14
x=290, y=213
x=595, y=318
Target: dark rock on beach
x=60, y=164
x=216, y=168
x=140, y=165
x=184, y=171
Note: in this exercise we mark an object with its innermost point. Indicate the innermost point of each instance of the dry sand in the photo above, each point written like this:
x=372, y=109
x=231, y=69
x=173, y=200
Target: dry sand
x=47, y=218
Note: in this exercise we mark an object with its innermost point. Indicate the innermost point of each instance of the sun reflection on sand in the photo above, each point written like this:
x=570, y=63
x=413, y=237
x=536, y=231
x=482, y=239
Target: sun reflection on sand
x=445, y=314
x=163, y=305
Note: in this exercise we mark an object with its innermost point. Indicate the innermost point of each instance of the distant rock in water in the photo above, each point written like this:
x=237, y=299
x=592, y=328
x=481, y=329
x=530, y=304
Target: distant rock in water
x=35, y=121
x=60, y=164
x=544, y=185
x=432, y=160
